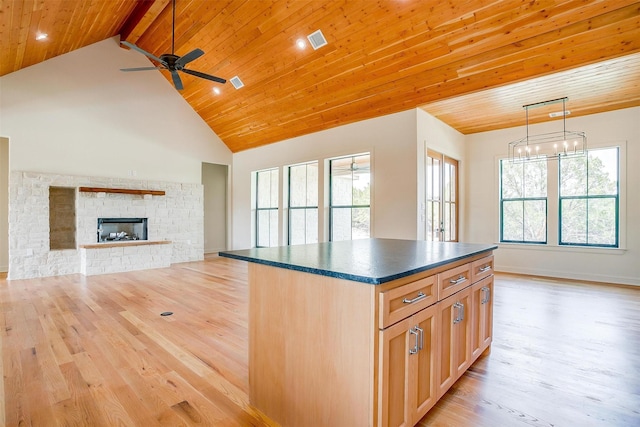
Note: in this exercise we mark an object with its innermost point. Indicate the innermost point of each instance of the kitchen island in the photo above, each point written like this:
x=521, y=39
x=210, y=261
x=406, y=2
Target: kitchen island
x=364, y=332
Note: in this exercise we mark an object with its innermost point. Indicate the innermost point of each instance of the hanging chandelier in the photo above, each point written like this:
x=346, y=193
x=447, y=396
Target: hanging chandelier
x=548, y=146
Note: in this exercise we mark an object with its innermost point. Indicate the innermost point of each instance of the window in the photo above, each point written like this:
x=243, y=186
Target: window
x=350, y=199
x=523, y=202
x=589, y=199
x=442, y=198
x=267, y=208
x=303, y=203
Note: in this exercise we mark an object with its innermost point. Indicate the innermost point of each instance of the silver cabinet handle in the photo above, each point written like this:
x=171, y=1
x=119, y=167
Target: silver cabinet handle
x=461, y=312
x=414, y=350
x=456, y=307
x=487, y=295
x=460, y=279
x=421, y=336
x=485, y=268
x=420, y=296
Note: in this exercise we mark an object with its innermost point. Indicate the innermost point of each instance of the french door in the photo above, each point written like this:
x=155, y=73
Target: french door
x=442, y=198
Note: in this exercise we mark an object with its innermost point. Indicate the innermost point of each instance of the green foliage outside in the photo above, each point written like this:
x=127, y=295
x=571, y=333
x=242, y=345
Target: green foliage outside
x=588, y=190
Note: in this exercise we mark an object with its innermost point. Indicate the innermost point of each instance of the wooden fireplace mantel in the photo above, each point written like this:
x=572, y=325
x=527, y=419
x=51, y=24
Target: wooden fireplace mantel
x=121, y=191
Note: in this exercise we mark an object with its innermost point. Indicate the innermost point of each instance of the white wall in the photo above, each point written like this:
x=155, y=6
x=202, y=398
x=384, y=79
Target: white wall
x=78, y=114
x=622, y=265
x=214, y=180
x=4, y=204
x=391, y=140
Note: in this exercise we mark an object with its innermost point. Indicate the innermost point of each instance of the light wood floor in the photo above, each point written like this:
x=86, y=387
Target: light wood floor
x=95, y=351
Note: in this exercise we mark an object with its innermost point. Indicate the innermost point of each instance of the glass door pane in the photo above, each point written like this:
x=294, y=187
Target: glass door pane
x=442, y=198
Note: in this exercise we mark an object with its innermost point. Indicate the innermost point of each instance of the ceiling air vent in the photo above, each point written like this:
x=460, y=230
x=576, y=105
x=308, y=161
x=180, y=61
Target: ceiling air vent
x=317, y=40
x=236, y=82
x=559, y=113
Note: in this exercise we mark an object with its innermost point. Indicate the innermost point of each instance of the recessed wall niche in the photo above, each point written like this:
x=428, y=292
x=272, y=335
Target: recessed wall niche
x=62, y=218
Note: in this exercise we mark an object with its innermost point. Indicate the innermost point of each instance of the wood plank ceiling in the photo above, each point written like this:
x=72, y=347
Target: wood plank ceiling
x=472, y=63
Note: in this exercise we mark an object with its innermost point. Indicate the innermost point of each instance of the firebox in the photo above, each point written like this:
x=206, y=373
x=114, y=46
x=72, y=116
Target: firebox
x=115, y=229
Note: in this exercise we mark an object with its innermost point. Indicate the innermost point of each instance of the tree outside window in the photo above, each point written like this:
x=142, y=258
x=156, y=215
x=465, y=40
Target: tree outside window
x=523, y=202
x=303, y=203
x=589, y=199
x=267, y=208
x=350, y=201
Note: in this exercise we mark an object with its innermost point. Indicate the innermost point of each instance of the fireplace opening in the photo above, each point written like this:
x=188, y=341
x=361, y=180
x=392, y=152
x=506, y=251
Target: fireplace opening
x=118, y=229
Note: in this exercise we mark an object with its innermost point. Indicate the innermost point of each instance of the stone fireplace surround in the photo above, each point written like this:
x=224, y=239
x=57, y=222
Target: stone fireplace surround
x=176, y=217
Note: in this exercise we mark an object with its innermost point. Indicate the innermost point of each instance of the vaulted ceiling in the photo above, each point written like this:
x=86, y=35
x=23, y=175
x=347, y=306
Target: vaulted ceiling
x=471, y=63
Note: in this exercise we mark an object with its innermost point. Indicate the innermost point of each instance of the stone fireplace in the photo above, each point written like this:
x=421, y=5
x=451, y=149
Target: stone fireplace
x=174, y=225
x=121, y=229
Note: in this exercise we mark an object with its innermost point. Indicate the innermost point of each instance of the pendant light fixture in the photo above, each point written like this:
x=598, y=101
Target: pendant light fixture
x=548, y=146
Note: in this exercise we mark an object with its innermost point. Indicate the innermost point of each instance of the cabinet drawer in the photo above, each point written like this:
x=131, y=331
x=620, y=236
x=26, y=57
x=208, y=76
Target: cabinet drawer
x=451, y=281
x=406, y=300
x=481, y=268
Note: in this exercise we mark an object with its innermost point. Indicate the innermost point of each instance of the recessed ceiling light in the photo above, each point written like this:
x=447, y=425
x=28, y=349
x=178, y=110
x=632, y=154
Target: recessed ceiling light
x=216, y=91
x=301, y=44
x=41, y=36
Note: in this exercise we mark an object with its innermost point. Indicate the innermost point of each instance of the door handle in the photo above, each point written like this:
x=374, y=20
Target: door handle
x=414, y=350
x=421, y=331
x=456, y=307
x=487, y=295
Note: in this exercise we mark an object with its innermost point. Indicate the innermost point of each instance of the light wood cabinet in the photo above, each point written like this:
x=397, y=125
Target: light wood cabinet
x=453, y=280
x=482, y=312
x=454, y=338
x=328, y=351
x=423, y=351
x=408, y=355
x=481, y=268
x=401, y=302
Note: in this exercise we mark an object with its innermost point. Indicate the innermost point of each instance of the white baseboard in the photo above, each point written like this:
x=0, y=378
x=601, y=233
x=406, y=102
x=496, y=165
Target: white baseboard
x=620, y=280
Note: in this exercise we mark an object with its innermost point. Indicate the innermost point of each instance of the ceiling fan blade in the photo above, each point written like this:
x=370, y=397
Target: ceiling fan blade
x=204, y=76
x=142, y=68
x=184, y=60
x=144, y=52
x=176, y=80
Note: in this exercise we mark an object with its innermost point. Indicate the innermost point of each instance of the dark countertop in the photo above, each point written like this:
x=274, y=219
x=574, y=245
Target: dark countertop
x=373, y=261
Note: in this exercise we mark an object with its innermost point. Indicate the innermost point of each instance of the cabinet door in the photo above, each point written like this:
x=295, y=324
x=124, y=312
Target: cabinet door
x=454, y=339
x=462, y=353
x=423, y=366
x=482, y=316
x=407, y=376
x=396, y=342
x=445, y=373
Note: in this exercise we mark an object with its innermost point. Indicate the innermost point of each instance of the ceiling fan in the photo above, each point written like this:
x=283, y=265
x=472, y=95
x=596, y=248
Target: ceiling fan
x=173, y=62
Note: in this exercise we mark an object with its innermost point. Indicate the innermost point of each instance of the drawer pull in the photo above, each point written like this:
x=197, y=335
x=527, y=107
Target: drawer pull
x=459, y=280
x=420, y=296
x=485, y=268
